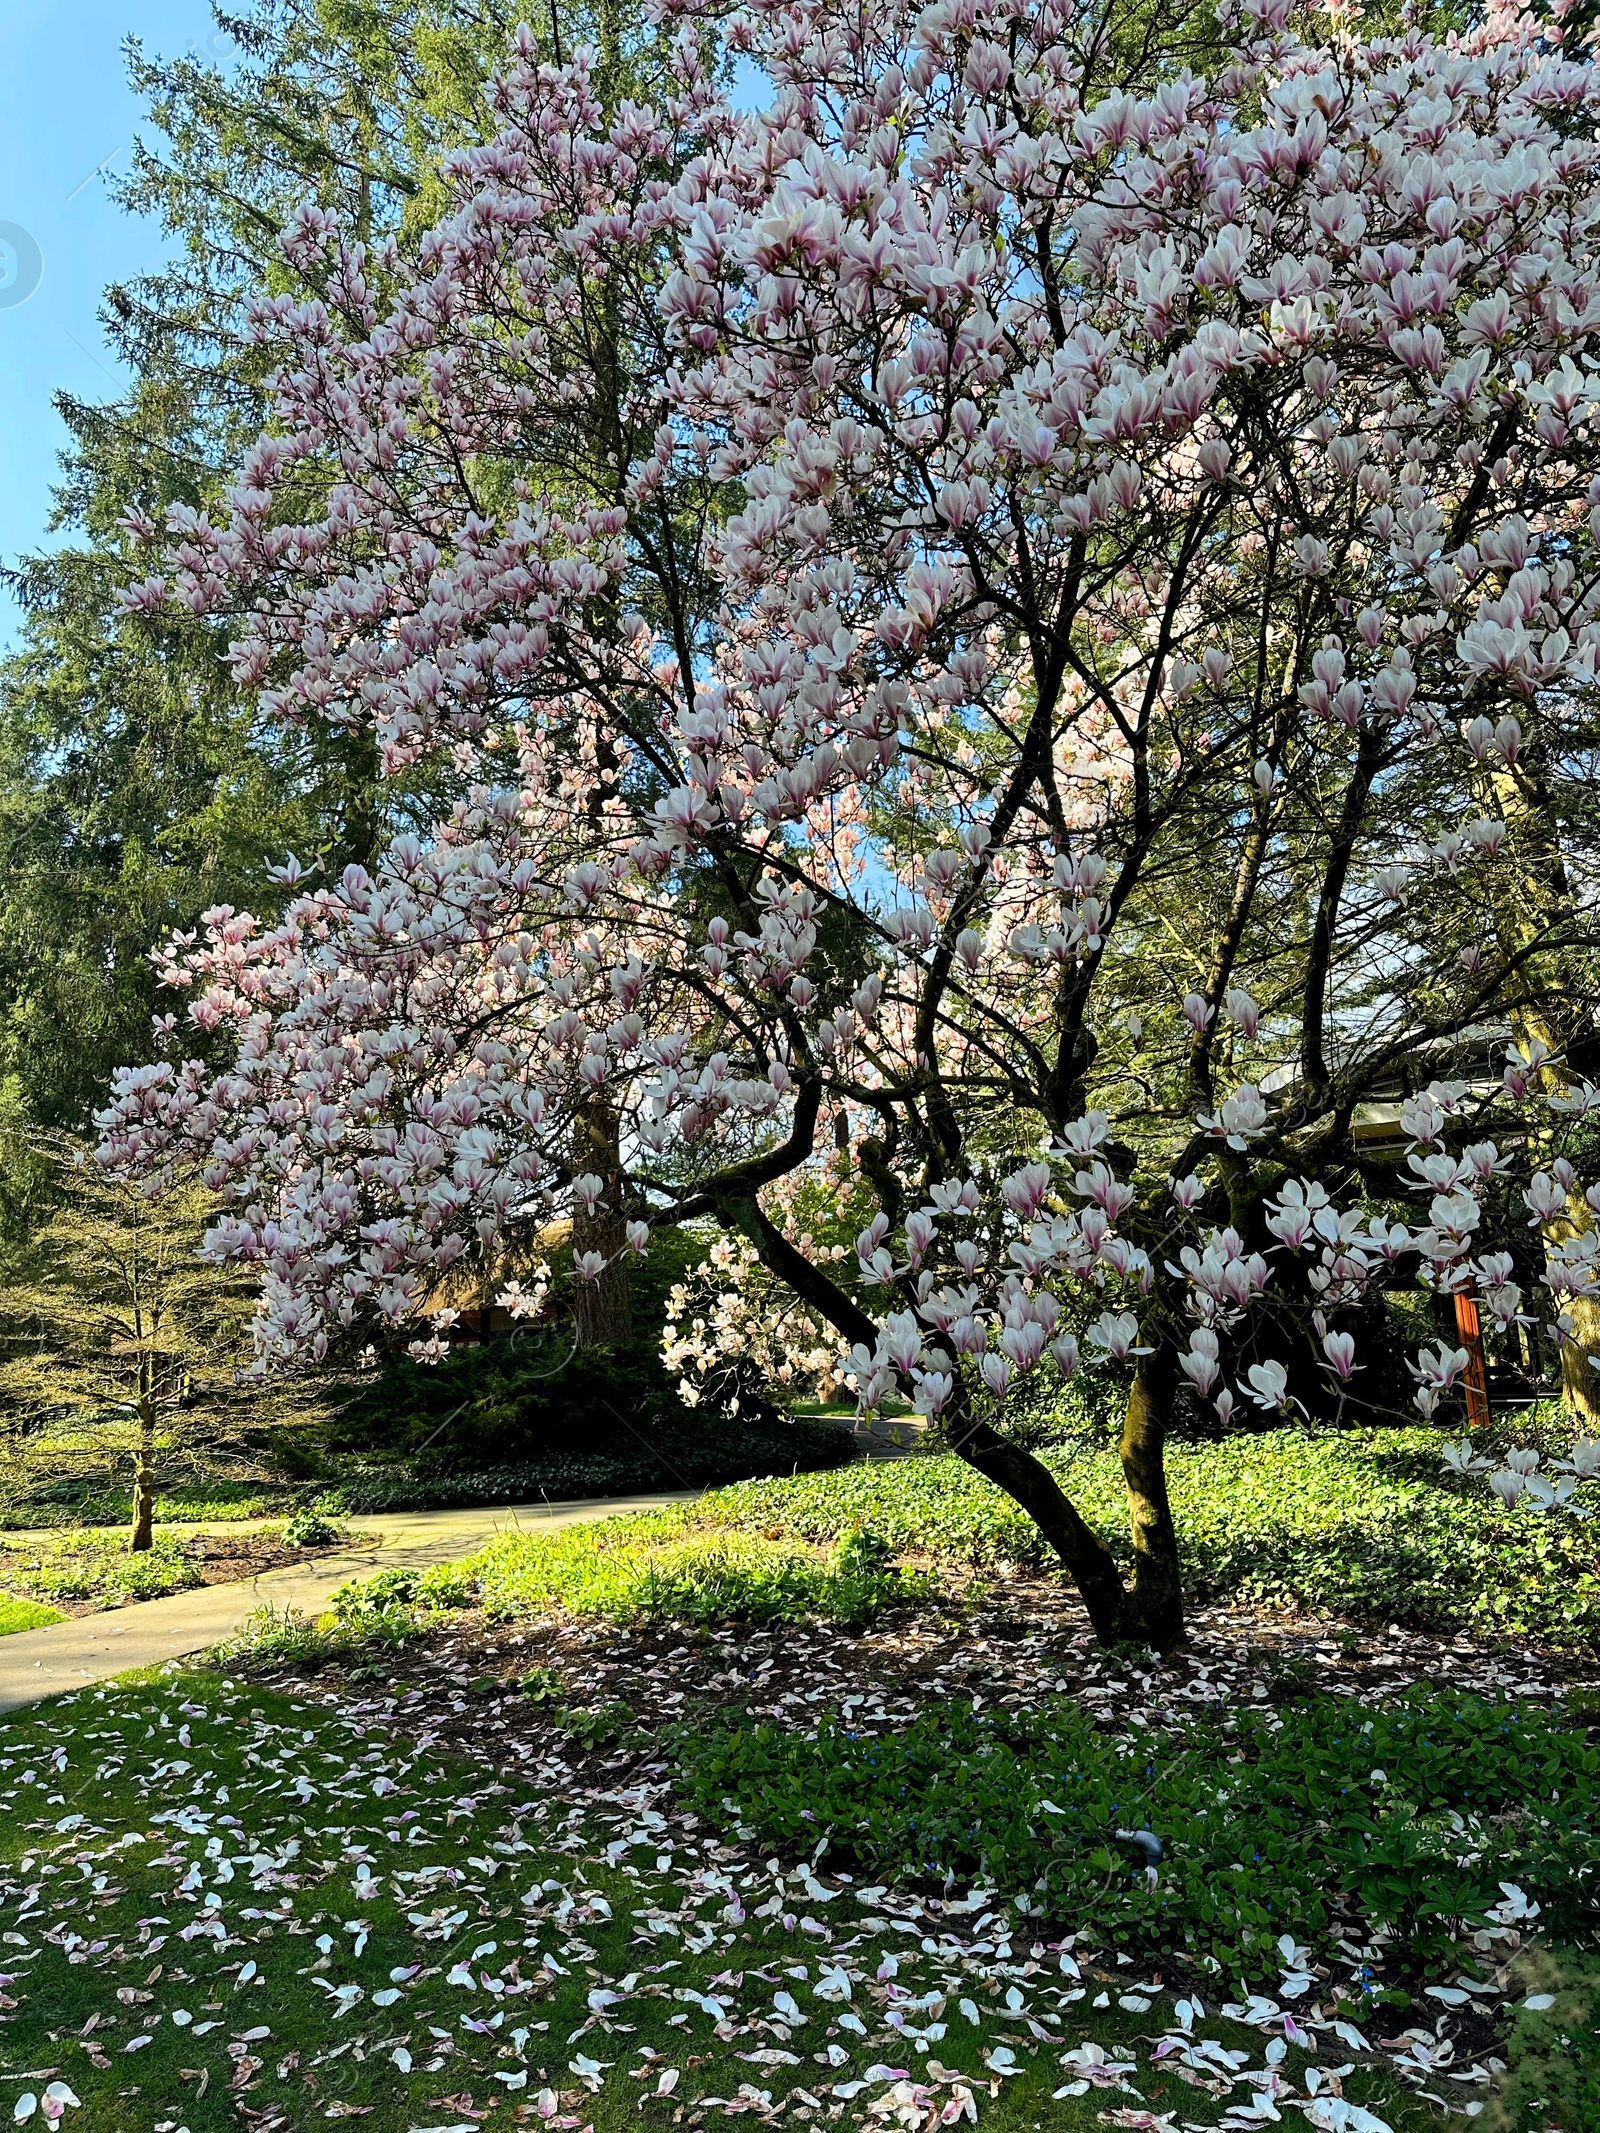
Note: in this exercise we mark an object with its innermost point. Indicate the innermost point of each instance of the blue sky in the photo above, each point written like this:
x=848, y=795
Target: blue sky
x=66, y=116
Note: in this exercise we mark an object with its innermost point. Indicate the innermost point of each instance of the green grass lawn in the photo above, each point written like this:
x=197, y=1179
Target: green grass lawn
x=215, y=1901
x=25, y=1614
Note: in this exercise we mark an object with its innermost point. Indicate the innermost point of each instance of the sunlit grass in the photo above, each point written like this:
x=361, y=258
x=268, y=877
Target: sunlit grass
x=669, y=1566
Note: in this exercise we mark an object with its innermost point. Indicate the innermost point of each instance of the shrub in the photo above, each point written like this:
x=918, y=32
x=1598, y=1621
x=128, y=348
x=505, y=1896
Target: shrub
x=1047, y=1413
x=309, y=1529
x=378, y=1613
x=865, y=1579
x=397, y=1606
x=530, y=1399
x=1409, y=1817
x=681, y=1451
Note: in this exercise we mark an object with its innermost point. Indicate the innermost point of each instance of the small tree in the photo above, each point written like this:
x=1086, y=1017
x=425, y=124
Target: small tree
x=113, y=1308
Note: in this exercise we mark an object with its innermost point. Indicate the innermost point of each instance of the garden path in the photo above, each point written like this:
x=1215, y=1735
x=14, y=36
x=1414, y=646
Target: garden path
x=36, y=1663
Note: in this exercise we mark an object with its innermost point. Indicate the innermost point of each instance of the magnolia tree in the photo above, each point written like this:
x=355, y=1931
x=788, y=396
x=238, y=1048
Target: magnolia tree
x=1030, y=622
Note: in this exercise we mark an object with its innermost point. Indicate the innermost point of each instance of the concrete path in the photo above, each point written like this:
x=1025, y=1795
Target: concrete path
x=35, y=1663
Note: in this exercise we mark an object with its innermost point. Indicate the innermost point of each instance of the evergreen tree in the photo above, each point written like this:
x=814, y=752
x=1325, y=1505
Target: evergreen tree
x=137, y=788
x=111, y=1319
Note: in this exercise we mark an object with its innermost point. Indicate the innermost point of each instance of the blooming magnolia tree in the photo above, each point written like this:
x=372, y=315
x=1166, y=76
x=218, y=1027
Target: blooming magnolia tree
x=730, y=1317
x=1026, y=614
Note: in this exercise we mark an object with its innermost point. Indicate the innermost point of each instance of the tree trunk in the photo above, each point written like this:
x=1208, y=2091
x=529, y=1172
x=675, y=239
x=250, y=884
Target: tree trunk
x=602, y=1310
x=144, y=1480
x=1580, y=1381
x=1154, y=1610
x=1560, y=1013
x=361, y=797
x=1031, y=1485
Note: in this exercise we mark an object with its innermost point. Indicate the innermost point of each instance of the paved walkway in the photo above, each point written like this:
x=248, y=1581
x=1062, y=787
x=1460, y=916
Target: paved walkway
x=35, y=1663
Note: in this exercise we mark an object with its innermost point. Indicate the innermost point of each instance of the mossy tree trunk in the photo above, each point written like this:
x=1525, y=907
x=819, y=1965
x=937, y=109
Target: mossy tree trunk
x=1153, y=1610
x=1580, y=1381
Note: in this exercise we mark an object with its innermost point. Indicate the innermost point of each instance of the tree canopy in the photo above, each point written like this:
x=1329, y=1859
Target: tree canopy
x=1023, y=608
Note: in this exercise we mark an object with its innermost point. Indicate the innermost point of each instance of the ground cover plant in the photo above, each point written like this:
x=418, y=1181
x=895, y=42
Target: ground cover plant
x=208, y=1501
x=1364, y=1523
x=98, y=1567
x=1407, y=1824
x=1407, y=1811
x=599, y=1455
x=80, y=1572
x=225, y=1904
x=686, y=1570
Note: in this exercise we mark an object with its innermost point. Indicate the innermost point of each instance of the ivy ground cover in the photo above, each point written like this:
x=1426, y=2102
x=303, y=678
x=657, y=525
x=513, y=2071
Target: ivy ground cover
x=1365, y=1523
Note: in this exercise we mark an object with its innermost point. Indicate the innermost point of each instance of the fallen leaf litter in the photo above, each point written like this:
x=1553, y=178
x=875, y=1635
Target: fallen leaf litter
x=879, y=1977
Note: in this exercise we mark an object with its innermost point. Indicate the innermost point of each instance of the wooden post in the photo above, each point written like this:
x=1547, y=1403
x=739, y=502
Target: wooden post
x=1469, y=1331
